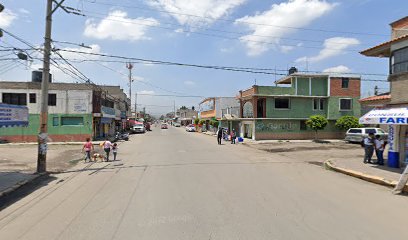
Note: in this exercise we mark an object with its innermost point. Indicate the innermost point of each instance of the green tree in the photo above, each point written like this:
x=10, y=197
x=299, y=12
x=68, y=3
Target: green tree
x=196, y=121
x=347, y=122
x=202, y=121
x=317, y=122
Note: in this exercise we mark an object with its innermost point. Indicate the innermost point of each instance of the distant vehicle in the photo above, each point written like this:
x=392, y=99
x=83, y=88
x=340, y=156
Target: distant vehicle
x=190, y=128
x=176, y=124
x=138, y=128
x=164, y=126
x=357, y=134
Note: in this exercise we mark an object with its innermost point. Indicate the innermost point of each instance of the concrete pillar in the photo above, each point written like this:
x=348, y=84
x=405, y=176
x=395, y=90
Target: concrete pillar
x=394, y=146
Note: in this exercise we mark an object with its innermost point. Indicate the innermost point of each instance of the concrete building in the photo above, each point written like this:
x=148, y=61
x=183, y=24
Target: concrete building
x=186, y=116
x=395, y=114
x=374, y=102
x=280, y=112
x=212, y=108
x=76, y=111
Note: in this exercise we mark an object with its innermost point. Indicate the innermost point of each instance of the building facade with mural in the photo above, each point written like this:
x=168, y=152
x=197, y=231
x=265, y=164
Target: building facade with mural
x=76, y=111
x=281, y=111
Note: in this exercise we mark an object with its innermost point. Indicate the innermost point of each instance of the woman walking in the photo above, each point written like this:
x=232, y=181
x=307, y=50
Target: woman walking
x=88, y=147
x=107, y=147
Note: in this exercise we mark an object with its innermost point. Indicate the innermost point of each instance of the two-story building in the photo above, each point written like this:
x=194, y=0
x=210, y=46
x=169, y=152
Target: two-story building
x=395, y=113
x=211, y=108
x=281, y=111
x=76, y=111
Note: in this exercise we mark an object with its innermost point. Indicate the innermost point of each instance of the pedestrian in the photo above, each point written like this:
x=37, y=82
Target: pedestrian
x=368, y=148
x=114, y=151
x=88, y=147
x=107, y=147
x=233, y=136
x=219, y=135
x=379, y=149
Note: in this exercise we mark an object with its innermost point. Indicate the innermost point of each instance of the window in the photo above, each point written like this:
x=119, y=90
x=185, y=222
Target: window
x=15, y=98
x=72, y=121
x=321, y=106
x=55, y=121
x=345, y=82
x=370, y=130
x=380, y=131
x=318, y=104
x=354, y=130
x=399, y=61
x=260, y=108
x=33, y=98
x=345, y=104
x=52, y=99
x=282, y=103
x=303, y=125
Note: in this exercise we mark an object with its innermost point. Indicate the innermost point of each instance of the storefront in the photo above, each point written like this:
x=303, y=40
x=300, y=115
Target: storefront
x=397, y=121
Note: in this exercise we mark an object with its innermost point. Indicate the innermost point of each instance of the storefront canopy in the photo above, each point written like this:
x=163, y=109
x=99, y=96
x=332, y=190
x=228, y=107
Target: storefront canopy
x=390, y=116
x=13, y=115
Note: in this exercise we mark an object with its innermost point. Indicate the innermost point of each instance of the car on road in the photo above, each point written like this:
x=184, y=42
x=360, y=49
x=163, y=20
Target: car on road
x=138, y=128
x=164, y=126
x=190, y=128
x=176, y=124
x=358, y=134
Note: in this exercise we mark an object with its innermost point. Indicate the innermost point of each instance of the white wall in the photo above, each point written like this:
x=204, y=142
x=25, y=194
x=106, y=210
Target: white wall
x=224, y=102
x=68, y=101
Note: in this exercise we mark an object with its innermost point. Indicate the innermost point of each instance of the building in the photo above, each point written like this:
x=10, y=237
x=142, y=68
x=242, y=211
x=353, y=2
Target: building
x=374, y=102
x=281, y=111
x=396, y=50
x=76, y=111
x=186, y=116
x=211, y=108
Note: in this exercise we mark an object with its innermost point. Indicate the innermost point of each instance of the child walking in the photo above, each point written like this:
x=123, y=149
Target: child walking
x=114, y=151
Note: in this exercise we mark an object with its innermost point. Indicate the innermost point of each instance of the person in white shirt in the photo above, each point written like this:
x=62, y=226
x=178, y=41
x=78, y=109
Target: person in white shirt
x=368, y=148
x=379, y=149
x=107, y=147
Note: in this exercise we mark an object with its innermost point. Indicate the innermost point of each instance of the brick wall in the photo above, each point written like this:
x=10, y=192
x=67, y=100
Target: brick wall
x=352, y=91
x=54, y=138
x=399, y=88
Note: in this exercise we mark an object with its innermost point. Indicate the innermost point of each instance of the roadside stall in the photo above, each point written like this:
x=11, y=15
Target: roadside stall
x=397, y=121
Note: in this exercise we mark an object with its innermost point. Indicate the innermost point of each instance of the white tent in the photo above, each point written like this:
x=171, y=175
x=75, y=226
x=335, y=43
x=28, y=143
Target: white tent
x=390, y=116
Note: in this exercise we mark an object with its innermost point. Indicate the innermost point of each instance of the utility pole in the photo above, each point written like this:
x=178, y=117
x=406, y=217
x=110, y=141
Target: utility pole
x=130, y=66
x=43, y=135
x=135, y=102
x=174, y=107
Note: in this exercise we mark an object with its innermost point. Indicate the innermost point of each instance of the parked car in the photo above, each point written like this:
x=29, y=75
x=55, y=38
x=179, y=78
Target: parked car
x=176, y=124
x=357, y=134
x=190, y=128
x=138, y=128
x=164, y=126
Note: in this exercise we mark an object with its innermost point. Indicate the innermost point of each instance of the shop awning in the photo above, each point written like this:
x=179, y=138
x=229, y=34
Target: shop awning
x=390, y=116
x=13, y=115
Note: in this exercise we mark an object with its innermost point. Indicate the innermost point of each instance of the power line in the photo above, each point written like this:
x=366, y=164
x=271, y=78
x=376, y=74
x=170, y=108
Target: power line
x=169, y=95
x=234, y=21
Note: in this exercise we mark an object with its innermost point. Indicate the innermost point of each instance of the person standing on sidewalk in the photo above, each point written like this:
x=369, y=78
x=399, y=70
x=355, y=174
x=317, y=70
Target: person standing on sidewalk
x=379, y=149
x=233, y=136
x=368, y=148
x=219, y=136
x=88, y=147
x=107, y=147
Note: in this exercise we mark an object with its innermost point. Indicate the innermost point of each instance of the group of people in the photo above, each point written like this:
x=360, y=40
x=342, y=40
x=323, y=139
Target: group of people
x=374, y=143
x=107, y=146
x=221, y=135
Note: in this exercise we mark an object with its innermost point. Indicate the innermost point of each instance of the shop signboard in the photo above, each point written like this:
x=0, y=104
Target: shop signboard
x=207, y=105
x=393, y=149
x=108, y=112
x=13, y=115
x=392, y=116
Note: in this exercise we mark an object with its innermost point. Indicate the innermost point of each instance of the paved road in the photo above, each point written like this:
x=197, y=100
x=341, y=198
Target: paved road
x=170, y=184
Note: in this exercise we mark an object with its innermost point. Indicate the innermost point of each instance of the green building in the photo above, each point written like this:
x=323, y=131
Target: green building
x=281, y=111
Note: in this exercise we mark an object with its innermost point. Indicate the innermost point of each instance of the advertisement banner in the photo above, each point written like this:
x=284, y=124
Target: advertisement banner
x=393, y=150
x=108, y=112
x=13, y=115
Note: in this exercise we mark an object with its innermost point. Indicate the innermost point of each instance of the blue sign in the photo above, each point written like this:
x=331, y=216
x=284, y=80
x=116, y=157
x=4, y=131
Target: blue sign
x=393, y=120
x=13, y=115
x=108, y=112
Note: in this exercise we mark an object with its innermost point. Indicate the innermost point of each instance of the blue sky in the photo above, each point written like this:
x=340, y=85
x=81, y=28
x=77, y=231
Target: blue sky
x=309, y=34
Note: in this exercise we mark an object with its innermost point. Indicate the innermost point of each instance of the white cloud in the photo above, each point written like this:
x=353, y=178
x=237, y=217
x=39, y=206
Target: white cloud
x=138, y=78
x=293, y=13
x=189, y=83
x=332, y=47
x=6, y=18
x=286, y=49
x=24, y=11
x=95, y=48
x=338, y=69
x=183, y=10
x=117, y=26
x=145, y=92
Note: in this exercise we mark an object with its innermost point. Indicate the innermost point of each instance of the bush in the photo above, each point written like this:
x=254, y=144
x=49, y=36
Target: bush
x=317, y=122
x=196, y=121
x=347, y=122
x=201, y=122
x=214, y=123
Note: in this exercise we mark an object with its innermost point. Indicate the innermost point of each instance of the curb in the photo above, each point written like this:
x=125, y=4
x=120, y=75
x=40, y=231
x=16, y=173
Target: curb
x=20, y=184
x=366, y=177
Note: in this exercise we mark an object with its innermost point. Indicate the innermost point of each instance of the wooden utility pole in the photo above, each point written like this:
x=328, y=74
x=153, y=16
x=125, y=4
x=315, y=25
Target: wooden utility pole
x=130, y=66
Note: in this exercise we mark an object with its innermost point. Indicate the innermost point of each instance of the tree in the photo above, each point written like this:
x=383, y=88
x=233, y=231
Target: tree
x=162, y=117
x=196, y=121
x=183, y=108
x=202, y=121
x=317, y=122
x=214, y=123
x=347, y=122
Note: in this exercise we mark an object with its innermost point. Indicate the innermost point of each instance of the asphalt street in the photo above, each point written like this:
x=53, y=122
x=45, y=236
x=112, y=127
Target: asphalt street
x=170, y=184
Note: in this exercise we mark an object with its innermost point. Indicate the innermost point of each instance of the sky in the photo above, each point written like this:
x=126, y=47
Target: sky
x=312, y=35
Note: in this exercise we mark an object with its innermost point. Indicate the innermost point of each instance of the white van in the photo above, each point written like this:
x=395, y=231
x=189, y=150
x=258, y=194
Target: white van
x=357, y=134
